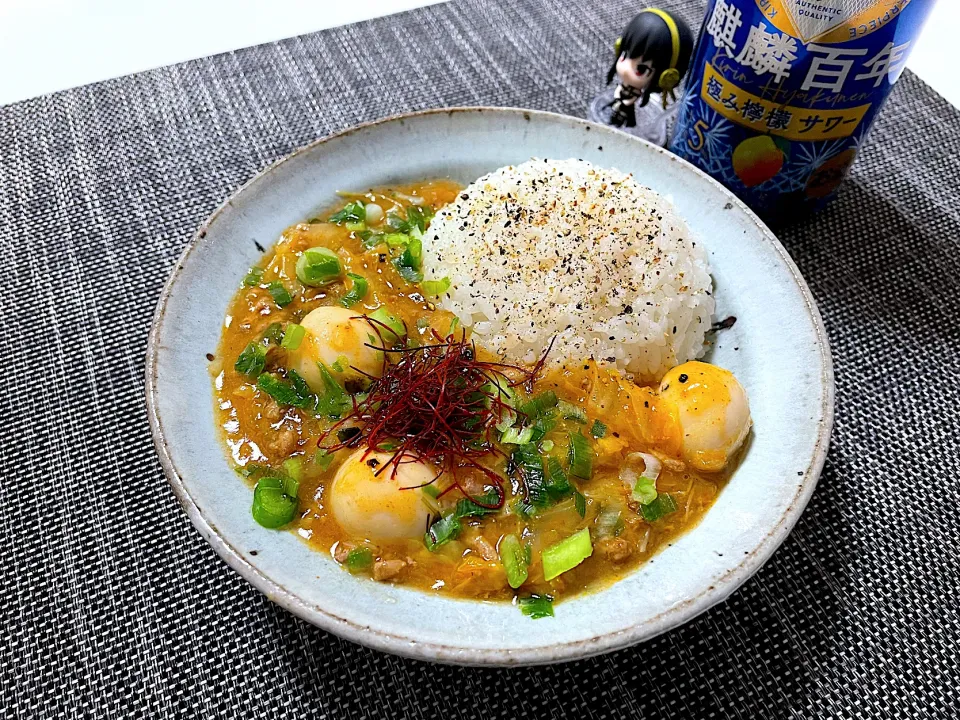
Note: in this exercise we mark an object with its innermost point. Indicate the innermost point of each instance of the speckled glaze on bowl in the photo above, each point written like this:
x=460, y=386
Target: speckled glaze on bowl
x=778, y=350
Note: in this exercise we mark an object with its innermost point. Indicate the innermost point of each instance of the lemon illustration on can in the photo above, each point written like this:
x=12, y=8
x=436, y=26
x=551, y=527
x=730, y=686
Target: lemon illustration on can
x=828, y=175
x=757, y=159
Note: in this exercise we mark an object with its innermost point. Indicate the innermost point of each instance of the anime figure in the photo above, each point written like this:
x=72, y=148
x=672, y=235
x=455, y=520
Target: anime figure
x=652, y=56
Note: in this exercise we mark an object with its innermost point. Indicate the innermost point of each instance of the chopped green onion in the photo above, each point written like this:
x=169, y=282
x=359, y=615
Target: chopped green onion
x=516, y=436
x=278, y=388
x=547, y=445
x=522, y=509
x=293, y=336
x=580, y=457
x=355, y=227
x=359, y=559
x=397, y=223
x=580, y=503
x=273, y=504
x=540, y=412
x=273, y=334
x=412, y=256
x=537, y=606
x=468, y=508
x=663, y=505
x=381, y=318
x=514, y=560
x=542, y=426
x=431, y=503
x=432, y=490
x=323, y=458
x=540, y=405
x=566, y=554
x=318, y=266
x=396, y=239
x=435, y=288
x=302, y=388
x=357, y=292
x=295, y=393
x=543, y=486
x=528, y=465
x=557, y=485
x=569, y=411
x=281, y=296
x=291, y=486
x=610, y=523
x=507, y=418
x=293, y=467
x=252, y=361
x=416, y=218
x=254, y=470
x=334, y=401
x=352, y=212
x=442, y=531
x=454, y=324
x=410, y=262
x=253, y=277
x=370, y=239
x=598, y=430
x=501, y=389
x=415, y=223
x=645, y=491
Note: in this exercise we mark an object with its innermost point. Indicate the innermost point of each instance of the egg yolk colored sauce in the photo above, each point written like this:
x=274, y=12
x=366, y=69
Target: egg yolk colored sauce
x=365, y=521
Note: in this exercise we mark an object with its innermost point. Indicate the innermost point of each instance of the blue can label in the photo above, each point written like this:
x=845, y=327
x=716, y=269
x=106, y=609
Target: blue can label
x=782, y=93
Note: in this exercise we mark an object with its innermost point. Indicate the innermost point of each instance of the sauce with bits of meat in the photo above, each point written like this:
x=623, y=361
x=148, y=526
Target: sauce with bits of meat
x=270, y=437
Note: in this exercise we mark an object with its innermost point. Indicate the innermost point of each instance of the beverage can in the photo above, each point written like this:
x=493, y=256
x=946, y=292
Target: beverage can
x=781, y=94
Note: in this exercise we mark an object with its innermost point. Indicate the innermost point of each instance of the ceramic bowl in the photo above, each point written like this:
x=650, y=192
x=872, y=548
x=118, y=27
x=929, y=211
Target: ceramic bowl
x=777, y=348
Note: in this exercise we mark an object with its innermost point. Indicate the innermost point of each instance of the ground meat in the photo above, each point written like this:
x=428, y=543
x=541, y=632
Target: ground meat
x=272, y=411
x=284, y=442
x=483, y=547
x=615, y=549
x=274, y=359
x=343, y=549
x=672, y=464
x=388, y=569
x=473, y=482
x=263, y=305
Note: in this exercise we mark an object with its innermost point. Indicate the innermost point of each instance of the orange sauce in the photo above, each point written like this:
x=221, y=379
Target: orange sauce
x=259, y=432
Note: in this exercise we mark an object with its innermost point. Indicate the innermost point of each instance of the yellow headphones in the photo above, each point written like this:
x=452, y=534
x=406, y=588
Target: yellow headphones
x=670, y=77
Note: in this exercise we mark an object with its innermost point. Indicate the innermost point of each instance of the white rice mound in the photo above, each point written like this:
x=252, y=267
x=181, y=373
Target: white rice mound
x=564, y=249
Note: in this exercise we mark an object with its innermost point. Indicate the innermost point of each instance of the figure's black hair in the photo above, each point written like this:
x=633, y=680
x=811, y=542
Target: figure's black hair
x=647, y=35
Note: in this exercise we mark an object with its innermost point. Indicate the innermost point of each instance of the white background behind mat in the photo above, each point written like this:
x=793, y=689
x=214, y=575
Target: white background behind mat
x=50, y=45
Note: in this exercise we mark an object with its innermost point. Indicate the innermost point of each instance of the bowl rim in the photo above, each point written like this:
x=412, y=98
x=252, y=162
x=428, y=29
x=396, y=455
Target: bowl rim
x=378, y=639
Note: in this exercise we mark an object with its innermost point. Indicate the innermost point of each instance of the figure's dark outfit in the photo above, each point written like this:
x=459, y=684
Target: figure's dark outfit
x=623, y=113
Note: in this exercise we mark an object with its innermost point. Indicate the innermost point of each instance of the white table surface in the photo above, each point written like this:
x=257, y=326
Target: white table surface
x=49, y=45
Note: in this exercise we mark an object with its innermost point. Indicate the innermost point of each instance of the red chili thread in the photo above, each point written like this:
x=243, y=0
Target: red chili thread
x=436, y=403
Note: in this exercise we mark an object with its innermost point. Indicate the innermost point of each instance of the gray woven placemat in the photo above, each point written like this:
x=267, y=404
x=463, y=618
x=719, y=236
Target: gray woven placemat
x=113, y=606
